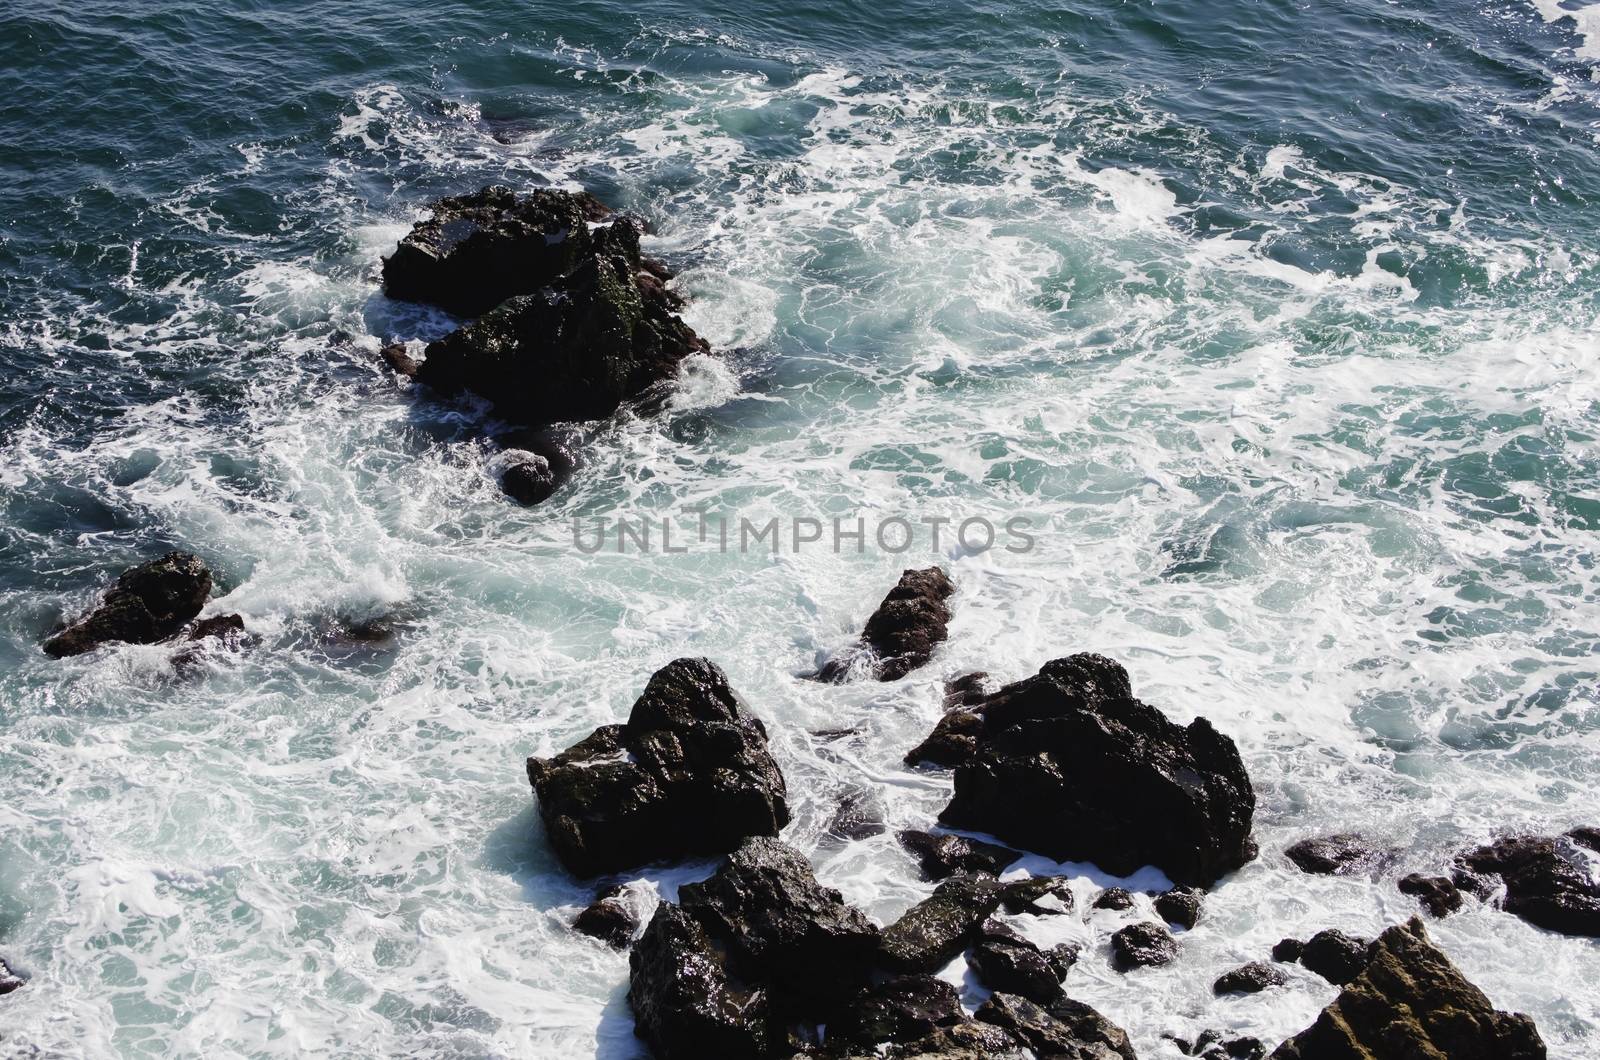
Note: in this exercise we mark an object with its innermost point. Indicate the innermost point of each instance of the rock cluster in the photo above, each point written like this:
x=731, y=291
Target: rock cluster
x=902, y=633
x=1547, y=879
x=148, y=603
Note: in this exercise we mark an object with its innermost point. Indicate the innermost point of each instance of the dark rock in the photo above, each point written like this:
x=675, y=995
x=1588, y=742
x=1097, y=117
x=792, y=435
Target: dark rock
x=966, y=691
x=527, y=478
x=1239, y=1049
x=931, y=933
x=1410, y=1001
x=1072, y=767
x=1438, y=894
x=779, y=925
x=1288, y=950
x=399, y=360
x=1142, y=945
x=902, y=633
x=945, y=855
x=609, y=918
x=1114, y=898
x=1179, y=906
x=9, y=980
x=685, y=1005
x=1063, y=1028
x=901, y=1009
x=227, y=628
x=1547, y=880
x=1252, y=978
x=1335, y=956
x=478, y=250
x=1032, y=894
x=968, y=1040
x=1586, y=837
x=830, y=735
x=1343, y=854
x=150, y=602
x=1061, y=957
x=1005, y=962
x=953, y=741
x=859, y=816
x=688, y=775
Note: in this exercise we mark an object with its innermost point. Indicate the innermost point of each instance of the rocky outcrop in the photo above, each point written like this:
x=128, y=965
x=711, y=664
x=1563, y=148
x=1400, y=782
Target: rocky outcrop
x=688, y=775
x=1064, y=1028
x=1142, y=945
x=941, y=856
x=1410, y=1001
x=1343, y=854
x=685, y=1006
x=148, y=603
x=931, y=933
x=1547, y=879
x=902, y=633
x=1438, y=894
x=1251, y=978
x=859, y=816
x=1180, y=906
x=611, y=918
x=1070, y=765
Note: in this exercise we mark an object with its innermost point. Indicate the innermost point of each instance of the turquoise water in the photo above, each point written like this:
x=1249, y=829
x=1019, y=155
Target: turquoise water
x=1278, y=320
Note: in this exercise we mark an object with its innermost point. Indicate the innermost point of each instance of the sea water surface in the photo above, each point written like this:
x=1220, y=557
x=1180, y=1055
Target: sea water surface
x=1278, y=319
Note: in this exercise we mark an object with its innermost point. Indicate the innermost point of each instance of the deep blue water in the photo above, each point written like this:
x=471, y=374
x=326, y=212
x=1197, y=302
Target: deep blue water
x=1280, y=317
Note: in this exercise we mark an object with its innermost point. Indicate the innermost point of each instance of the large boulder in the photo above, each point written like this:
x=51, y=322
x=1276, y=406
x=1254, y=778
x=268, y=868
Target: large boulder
x=1548, y=879
x=902, y=633
x=148, y=603
x=685, y=1004
x=1064, y=1028
x=1411, y=1002
x=477, y=250
x=931, y=933
x=688, y=775
x=1072, y=766
x=776, y=922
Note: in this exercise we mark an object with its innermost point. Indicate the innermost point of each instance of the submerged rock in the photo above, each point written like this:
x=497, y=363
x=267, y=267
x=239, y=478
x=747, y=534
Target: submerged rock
x=931, y=933
x=953, y=741
x=218, y=631
x=1410, y=1001
x=902, y=633
x=859, y=816
x=1547, y=880
x=945, y=855
x=685, y=1006
x=1438, y=894
x=688, y=775
x=1142, y=945
x=9, y=980
x=1343, y=854
x=778, y=924
x=609, y=918
x=148, y=603
x=1064, y=1028
x=1180, y=906
x=966, y=690
x=1071, y=766
x=1251, y=978
x=1335, y=956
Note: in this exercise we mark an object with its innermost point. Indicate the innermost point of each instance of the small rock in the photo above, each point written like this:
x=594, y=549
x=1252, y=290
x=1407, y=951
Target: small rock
x=1438, y=894
x=966, y=691
x=608, y=918
x=1114, y=898
x=931, y=933
x=399, y=360
x=903, y=632
x=1548, y=880
x=9, y=980
x=222, y=631
x=1335, y=956
x=1343, y=854
x=148, y=603
x=1252, y=978
x=1063, y=1028
x=1288, y=950
x=1180, y=906
x=1005, y=962
x=1142, y=945
x=944, y=855
x=859, y=816
x=1038, y=895
x=527, y=478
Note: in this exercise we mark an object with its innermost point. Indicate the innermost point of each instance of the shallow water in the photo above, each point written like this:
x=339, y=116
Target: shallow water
x=1278, y=321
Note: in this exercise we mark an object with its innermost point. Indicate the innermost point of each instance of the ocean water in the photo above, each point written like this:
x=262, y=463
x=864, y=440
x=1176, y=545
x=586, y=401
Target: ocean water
x=1277, y=320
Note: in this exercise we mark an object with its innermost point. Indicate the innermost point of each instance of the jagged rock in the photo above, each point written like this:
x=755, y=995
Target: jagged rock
x=1038, y=895
x=1335, y=956
x=945, y=855
x=1411, y=1002
x=527, y=478
x=1547, y=880
x=685, y=1006
x=1064, y=1028
x=859, y=816
x=1004, y=961
x=1071, y=766
x=224, y=631
x=9, y=980
x=901, y=1009
x=398, y=357
x=953, y=741
x=150, y=602
x=1179, y=906
x=1288, y=950
x=931, y=933
x=1343, y=854
x=1251, y=978
x=968, y=1040
x=1114, y=898
x=609, y=918
x=1438, y=894
x=688, y=775
x=1142, y=945
x=779, y=925
x=966, y=691
x=478, y=250
x=904, y=630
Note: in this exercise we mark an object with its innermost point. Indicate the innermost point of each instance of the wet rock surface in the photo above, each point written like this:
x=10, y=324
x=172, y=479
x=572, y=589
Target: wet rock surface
x=1548, y=880
x=944, y=855
x=1004, y=961
x=931, y=933
x=1063, y=1028
x=905, y=629
x=1335, y=956
x=148, y=603
x=9, y=980
x=1142, y=945
x=1342, y=854
x=859, y=816
x=610, y=918
x=1179, y=906
x=903, y=1008
x=1104, y=778
x=688, y=775
x=1411, y=1001
x=1037, y=895
x=1438, y=894
x=1251, y=978
x=1114, y=898
x=685, y=1006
